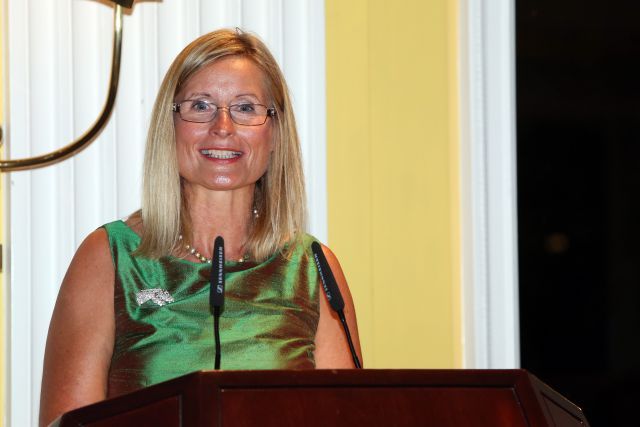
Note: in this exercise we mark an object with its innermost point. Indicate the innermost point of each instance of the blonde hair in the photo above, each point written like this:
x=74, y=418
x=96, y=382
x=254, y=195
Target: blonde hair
x=279, y=194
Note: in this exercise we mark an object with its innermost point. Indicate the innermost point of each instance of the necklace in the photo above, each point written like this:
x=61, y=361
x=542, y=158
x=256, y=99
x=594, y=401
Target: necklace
x=203, y=259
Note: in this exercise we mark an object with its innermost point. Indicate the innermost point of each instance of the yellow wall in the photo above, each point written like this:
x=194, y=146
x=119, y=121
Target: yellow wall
x=392, y=175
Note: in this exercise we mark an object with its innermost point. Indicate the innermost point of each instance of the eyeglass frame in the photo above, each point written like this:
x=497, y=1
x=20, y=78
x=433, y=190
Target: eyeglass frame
x=271, y=111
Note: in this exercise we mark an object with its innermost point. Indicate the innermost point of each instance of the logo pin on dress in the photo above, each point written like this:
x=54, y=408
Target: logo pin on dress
x=157, y=296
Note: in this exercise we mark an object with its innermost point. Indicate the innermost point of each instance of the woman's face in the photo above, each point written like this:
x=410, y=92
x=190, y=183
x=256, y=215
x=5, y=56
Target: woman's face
x=220, y=154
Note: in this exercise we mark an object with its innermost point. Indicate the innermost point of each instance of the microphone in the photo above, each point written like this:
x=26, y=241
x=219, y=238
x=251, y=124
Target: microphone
x=216, y=291
x=333, y=294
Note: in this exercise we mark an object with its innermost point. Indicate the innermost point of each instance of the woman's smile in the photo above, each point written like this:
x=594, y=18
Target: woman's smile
x=221, y=154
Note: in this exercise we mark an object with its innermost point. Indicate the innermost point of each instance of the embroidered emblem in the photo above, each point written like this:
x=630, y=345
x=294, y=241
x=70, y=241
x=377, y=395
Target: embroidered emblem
x=158, y=296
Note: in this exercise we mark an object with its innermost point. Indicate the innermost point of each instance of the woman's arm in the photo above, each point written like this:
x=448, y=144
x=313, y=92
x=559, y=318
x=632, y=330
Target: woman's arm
x=332, y=348
x=81, y=333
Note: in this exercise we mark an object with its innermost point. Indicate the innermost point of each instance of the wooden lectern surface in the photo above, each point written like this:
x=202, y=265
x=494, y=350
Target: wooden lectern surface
x=443, y=398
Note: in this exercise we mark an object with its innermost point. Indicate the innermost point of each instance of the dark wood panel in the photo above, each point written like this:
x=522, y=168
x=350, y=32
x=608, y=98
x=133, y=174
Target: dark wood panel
x=356, y=406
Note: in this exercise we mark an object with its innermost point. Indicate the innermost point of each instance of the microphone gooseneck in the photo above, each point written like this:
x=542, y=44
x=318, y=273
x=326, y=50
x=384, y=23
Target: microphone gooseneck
x=334, y=297
x=216, y=292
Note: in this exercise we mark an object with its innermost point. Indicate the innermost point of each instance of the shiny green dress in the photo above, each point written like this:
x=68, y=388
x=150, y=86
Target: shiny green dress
x=164, y=328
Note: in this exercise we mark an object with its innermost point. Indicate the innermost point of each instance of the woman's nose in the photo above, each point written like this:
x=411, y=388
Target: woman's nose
x=222, y=124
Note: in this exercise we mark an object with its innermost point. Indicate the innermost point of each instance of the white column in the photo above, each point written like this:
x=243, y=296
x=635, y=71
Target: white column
x=58, y=55
x=488, y=166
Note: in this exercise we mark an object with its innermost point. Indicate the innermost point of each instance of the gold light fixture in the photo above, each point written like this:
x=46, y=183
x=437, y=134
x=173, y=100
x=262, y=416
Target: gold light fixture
x=90, y=135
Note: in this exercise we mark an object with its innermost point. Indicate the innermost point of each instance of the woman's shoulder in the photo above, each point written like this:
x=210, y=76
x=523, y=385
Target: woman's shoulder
x=301, y=245
x=306, y=240
x=96, y=243
x=93, y=257
x=121, y=236
x=132, y=223
x=129, y=228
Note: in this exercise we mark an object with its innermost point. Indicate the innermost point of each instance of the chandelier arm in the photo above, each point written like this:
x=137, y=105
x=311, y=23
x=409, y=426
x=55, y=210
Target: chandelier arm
x=90, y=135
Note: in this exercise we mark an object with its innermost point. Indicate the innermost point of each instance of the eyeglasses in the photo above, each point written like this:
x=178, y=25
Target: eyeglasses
x=246, y=114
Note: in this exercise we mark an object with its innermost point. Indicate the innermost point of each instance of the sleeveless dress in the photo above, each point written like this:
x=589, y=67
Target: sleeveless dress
x=164, y=327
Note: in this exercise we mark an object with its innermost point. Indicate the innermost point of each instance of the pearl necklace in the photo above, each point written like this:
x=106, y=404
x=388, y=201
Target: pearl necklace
x=203, y=259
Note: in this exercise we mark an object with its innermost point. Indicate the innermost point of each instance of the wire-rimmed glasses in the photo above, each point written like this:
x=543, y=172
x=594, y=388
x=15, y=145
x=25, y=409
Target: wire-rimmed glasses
x=201, y=111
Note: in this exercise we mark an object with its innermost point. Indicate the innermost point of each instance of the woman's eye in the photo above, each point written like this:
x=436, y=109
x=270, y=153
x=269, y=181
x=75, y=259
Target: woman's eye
x=200, y=106
x=244, y=108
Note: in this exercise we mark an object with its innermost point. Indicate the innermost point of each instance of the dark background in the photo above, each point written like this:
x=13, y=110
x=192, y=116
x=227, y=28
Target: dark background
x=578, y=121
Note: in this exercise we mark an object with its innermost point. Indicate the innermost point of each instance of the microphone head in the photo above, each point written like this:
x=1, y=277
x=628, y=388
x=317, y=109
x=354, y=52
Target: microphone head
x=124, y=3
x=329, y=283
x=216, y=293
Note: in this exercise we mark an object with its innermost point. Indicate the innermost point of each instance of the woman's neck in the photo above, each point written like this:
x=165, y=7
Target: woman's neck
x=220, y=213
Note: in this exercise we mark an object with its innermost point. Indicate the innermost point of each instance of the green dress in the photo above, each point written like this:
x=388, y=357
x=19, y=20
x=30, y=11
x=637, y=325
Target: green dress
x=164, y=327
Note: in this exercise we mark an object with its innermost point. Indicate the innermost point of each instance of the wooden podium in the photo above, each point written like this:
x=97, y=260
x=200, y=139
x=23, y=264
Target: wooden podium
x=442, y=398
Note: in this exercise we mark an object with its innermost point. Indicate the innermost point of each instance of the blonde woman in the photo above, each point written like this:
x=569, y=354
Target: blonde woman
x=222, y=159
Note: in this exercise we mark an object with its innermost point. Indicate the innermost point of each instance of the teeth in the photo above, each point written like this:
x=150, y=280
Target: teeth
x=221, y=154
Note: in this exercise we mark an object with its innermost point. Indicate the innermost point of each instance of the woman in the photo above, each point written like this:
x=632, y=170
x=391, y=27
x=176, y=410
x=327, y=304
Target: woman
x=222, y=159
